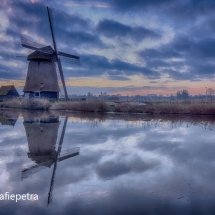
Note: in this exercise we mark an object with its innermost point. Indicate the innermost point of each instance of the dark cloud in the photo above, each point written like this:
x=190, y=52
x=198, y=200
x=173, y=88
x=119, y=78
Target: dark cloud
x=119, y=77
x=112, y=29
x=176, y=75
x=96, y=65
x=8, y=73
x=188, y=56
x=176, y=12
x=80, y=38
x=137, y=4
x=71, y=22
x=33, y=19
x=70, y=28
x=164, y=53
x=190, y=10
x=195, y=54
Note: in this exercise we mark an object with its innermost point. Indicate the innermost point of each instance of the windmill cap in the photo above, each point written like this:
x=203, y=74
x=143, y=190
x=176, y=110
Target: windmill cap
x=44, y=53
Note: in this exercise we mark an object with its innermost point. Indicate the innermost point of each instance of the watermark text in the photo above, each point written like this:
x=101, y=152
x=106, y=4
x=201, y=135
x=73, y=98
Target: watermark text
x=18, y=197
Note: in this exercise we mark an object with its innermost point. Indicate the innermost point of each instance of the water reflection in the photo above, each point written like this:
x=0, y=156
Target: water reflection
x=129, y=164
x=42, y=136
x=8, y=117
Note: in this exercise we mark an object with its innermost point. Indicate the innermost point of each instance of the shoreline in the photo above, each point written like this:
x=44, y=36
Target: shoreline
x=99, y=106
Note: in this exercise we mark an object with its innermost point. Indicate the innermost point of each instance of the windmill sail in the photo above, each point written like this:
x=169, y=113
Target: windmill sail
x=55, y=165
x=37, y=168
x=32, y=170
x=62, y=77
x=69, y=55
x=44, y=57
x=27, y=43
x=68, y=58
x=52, y=28
x=69, y=153
x=56, y=52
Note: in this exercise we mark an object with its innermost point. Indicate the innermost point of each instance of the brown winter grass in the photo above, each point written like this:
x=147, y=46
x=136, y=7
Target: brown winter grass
x=30, y=104
x=188, y=107
x=85, y=106
x=206, y=108
x=201, y=108
x=11, y=103
x=36, y=104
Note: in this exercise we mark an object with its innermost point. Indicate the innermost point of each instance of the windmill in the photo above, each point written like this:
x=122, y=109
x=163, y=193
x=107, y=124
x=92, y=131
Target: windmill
x=42, y=138
x=41, y=79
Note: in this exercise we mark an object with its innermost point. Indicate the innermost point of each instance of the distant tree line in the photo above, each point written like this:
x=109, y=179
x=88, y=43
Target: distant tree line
x=210, y=93
x=180, y=95
x=183, y=94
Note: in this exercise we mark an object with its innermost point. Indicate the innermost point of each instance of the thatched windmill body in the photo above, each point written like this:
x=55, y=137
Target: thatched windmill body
x=41, y=79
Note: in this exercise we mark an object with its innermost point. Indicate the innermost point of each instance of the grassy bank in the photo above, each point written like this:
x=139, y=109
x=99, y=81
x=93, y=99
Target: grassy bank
x=44, y=104
x=186, y=108
x=30, y=104
x=200, y=108
x=86, y=106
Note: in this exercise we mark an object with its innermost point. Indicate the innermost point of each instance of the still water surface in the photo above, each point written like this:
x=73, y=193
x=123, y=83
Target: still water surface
x=107, y=164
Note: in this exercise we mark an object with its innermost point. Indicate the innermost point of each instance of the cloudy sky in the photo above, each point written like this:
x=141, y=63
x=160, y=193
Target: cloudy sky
x=127, y=47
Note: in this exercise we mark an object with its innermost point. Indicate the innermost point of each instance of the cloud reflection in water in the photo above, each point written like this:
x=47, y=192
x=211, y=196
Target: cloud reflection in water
x=133, y=164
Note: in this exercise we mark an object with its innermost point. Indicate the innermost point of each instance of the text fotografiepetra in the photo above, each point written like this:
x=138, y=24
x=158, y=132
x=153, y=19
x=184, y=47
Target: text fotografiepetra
x=18, y=197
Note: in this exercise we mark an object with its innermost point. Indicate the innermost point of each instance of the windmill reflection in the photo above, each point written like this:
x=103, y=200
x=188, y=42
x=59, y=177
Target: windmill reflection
x=42, y=136
x=42, y=139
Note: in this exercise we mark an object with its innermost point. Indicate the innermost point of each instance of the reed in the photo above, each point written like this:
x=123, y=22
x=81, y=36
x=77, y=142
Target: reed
x=11, y=103
x=85, y=106
x=201, y=108
x=36, y=104
x=188, y=107
x=31, y=104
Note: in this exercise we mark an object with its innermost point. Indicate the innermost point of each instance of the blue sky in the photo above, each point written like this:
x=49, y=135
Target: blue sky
x=127, y=47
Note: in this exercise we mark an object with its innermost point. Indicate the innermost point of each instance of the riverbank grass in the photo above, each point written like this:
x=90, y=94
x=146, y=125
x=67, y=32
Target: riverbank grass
x=185, y=107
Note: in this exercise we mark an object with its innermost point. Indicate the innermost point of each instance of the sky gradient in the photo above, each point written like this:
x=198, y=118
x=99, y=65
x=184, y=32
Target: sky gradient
x=126, y=47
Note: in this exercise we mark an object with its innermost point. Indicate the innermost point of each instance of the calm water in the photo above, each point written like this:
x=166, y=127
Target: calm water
x=107, y=164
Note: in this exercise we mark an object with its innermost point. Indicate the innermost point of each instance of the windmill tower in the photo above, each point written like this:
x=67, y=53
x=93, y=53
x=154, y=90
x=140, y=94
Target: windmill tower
x=41, y=79
x=42, y=139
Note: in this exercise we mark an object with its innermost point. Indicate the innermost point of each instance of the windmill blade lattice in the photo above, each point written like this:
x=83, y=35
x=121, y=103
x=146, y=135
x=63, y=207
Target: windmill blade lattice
x=69, y=55
x=27, y=43
x=70, y=60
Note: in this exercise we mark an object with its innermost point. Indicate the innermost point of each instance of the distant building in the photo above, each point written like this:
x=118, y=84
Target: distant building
x=8, y=92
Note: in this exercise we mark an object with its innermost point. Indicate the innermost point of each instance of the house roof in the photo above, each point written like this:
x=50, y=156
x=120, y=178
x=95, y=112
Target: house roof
x=44, y=54
x=5, y=121
x=5, y=89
